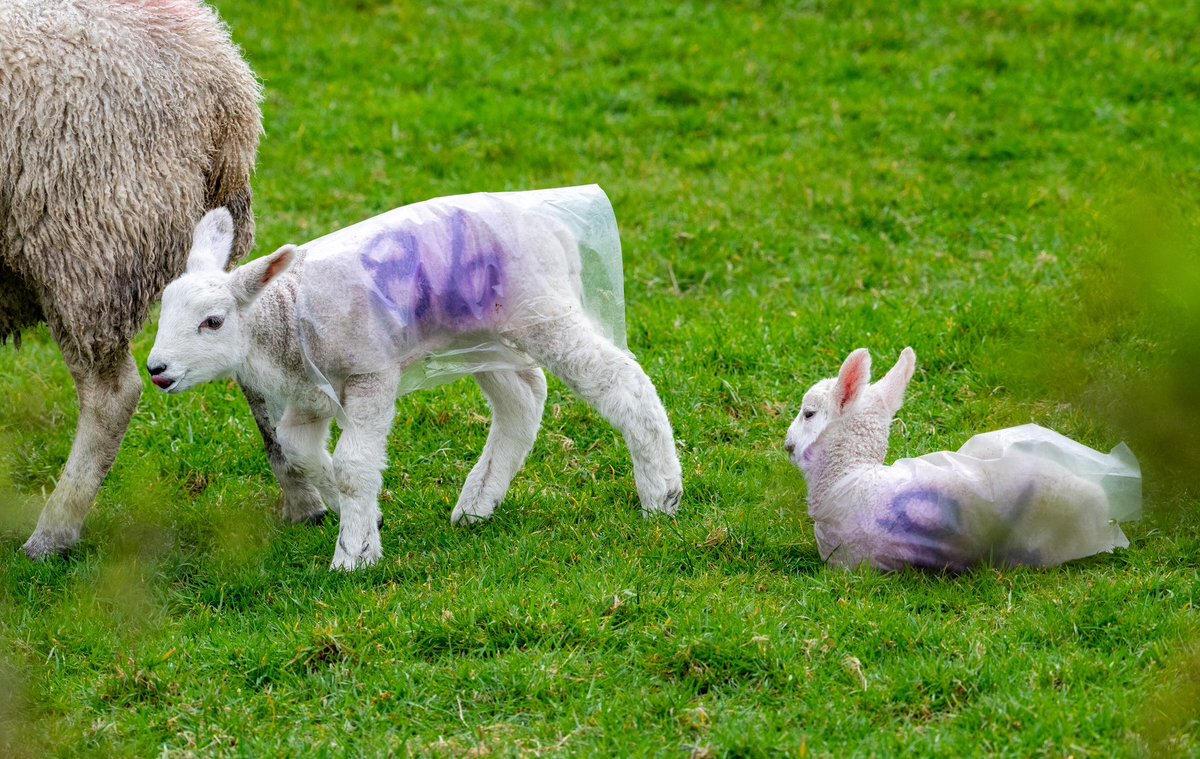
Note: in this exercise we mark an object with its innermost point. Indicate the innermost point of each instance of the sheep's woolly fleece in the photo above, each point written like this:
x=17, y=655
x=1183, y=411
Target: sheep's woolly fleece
x=120, y=123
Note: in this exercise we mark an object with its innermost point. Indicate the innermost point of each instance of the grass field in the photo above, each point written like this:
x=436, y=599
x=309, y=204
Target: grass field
x=792, y=180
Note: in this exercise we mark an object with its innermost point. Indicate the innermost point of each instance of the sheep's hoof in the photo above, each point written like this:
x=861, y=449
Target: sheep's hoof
x=312, y=520
x=42, y=546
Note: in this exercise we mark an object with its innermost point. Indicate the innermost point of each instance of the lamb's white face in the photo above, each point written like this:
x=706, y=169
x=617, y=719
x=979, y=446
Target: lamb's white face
x=815, y=415
x=832, y=400
x=201, y=329
x=199, y=333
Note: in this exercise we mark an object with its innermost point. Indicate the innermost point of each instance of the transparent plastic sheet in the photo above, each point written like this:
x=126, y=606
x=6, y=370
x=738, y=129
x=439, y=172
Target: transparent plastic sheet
x=431, y=286
x=1023, y=496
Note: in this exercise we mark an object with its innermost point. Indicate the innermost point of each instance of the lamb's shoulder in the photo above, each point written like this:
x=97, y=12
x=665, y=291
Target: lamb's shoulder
x=845, y=514
x=275, y=365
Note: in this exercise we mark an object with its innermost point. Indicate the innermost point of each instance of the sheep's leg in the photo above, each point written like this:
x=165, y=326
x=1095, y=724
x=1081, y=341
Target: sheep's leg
x=304, y=443
x=617, y=387
x=517, y=400
x=107, y=396
x=369, y=401
x=301, y=500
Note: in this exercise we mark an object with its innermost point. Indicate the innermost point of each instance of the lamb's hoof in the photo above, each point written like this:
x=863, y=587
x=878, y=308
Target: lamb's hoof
x=311, y=520
x=47, y=545
x=347, y=561
x=668, y=504
x=305, y=509
x=468, y=515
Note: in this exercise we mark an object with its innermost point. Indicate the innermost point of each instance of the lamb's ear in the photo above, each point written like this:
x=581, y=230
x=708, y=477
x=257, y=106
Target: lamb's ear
x=250, y=279
x=891, y=388
x=851, y=380
x=212, y=242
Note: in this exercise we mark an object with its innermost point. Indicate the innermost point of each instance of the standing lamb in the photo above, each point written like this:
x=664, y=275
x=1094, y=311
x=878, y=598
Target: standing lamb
x=495, y=285
x=121, y=122
x=1020, y=496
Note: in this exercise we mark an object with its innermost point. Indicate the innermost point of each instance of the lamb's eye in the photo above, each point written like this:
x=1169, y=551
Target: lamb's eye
x=810, y=413
x=213, y=322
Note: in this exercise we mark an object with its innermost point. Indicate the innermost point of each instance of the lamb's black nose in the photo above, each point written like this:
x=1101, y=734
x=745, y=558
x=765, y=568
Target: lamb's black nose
x=156, y=369
x=790, y=447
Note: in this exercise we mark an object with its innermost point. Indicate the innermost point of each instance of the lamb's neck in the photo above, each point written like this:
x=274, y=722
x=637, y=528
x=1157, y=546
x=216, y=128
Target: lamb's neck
x=275, y=361
x=856, y=446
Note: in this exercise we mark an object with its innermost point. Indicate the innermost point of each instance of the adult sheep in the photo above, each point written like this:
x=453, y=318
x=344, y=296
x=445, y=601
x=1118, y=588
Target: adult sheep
x=121, y=123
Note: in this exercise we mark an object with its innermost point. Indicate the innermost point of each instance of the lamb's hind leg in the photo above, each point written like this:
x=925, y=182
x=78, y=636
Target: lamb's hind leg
x=108, y=394
x=517, y=400
x=617, y=387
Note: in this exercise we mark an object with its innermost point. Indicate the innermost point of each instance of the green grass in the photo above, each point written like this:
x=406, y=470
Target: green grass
x=792, y=180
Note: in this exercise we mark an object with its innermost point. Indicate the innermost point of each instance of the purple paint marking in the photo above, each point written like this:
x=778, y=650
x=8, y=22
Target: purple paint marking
x=404, y=265
x=474, y=282
x=401, y=285
x=931, y=533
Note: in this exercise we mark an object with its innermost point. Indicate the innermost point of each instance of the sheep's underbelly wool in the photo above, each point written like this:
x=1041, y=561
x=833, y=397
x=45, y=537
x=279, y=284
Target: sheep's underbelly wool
x=434, y=286
x=1019, y=496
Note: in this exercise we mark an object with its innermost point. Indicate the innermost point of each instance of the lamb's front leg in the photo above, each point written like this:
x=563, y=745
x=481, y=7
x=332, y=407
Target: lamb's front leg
x=301, y=500
x=358, y=462
x=304, y=442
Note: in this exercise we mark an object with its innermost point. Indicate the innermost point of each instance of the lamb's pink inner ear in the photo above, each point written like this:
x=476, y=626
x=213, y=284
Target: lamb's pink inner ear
x=853, y=377
x=250, y=279
x=279, y=264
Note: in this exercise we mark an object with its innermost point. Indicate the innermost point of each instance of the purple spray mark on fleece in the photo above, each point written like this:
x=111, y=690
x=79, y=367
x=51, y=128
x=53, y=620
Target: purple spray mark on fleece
x=474, y=282
x=401, y=285
x=929, y=524
x=415, y=282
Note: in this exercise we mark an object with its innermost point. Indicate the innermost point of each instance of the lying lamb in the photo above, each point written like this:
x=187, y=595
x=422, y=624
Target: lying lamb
x=1020, y=496
x=490, y=284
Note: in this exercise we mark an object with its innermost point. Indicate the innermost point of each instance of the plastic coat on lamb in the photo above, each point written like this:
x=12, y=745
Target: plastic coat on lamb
x=1020, y=496
x=1023, y=496
x=430, y=286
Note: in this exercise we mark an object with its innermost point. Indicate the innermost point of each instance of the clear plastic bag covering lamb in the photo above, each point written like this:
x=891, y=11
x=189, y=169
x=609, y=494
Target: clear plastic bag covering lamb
x=431, y=286
x=1023, y=496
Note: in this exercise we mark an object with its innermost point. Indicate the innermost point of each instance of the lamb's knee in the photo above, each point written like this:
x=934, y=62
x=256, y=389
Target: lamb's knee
x=359, y=474
x=535, y=380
